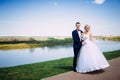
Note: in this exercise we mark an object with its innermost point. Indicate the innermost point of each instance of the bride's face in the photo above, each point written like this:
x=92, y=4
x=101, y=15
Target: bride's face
x=87, y=28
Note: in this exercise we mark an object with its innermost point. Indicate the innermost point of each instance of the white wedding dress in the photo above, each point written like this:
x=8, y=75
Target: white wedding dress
x=90, y=58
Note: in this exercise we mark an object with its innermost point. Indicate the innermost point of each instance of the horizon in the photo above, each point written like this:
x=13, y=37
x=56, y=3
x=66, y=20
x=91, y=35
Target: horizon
x=65, y=36
x=58, y=17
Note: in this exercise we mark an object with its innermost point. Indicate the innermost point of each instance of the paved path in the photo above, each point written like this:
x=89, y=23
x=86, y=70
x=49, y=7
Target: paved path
x=110, y=73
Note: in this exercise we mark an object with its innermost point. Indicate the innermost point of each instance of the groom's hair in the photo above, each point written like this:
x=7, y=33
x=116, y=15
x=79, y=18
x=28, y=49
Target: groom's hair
x=77, y=23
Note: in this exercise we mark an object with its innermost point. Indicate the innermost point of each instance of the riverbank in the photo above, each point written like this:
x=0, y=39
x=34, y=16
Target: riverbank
x=41, y=70
x=32, y=43
x=111, y=38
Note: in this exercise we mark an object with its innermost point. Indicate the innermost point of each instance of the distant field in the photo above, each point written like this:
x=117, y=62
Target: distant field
x=112, y=38
x=21, y=42
x=28, y=38
x=31, y=42
x=41, y=38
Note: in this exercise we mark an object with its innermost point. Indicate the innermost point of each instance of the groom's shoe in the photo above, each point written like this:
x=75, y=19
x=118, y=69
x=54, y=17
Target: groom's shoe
x=74, y=70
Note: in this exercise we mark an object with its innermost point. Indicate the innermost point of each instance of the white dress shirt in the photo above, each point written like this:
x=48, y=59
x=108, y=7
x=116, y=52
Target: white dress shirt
x=79, y=33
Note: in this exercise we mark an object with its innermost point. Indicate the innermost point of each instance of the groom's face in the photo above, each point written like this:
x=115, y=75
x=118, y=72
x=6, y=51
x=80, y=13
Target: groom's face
x=78, y=26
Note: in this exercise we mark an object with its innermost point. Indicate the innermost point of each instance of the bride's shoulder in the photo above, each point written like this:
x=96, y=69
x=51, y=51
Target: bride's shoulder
x=90, y=33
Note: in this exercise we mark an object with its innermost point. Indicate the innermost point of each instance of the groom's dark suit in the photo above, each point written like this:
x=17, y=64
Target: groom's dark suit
x=77, y=43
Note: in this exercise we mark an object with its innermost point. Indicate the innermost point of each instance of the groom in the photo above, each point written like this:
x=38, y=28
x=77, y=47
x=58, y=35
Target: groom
x=77, y=43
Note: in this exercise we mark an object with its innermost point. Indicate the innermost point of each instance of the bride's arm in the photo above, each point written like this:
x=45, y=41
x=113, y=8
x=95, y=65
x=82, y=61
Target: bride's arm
x=91, y=37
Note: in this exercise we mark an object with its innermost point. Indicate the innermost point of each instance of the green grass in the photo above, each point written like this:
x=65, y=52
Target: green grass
x=41, y=70
x=112, y=54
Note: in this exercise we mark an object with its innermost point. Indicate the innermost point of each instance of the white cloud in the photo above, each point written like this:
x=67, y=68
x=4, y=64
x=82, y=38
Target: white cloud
x=99, y=1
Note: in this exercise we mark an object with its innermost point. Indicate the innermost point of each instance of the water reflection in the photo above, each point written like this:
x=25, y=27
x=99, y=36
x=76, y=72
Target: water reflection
x=31, y=50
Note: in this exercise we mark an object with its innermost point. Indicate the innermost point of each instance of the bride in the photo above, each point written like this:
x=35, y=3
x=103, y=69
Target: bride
x=90, y=58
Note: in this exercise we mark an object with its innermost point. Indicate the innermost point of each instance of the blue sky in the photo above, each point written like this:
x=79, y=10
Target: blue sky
x=57, y=17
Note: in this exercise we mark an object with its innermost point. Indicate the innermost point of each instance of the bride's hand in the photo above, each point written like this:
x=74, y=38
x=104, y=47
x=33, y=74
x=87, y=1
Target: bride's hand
x=83, y=43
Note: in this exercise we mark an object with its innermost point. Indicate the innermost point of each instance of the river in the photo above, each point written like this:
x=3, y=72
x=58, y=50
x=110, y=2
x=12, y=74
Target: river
x=16, y=57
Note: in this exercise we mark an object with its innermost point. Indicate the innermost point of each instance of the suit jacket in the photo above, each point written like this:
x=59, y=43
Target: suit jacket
x=76, y=39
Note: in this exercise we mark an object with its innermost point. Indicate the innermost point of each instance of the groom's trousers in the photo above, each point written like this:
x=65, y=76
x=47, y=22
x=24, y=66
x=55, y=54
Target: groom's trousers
x=76, y=51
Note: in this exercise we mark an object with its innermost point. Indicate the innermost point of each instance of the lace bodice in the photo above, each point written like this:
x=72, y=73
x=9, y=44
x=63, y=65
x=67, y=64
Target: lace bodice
x=86, y=37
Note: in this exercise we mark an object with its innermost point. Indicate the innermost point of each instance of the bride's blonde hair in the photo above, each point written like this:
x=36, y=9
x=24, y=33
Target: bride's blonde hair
x=87, y=25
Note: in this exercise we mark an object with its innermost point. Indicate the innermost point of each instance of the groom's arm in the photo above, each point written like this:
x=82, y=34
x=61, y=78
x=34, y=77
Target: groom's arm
x=74, y=38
